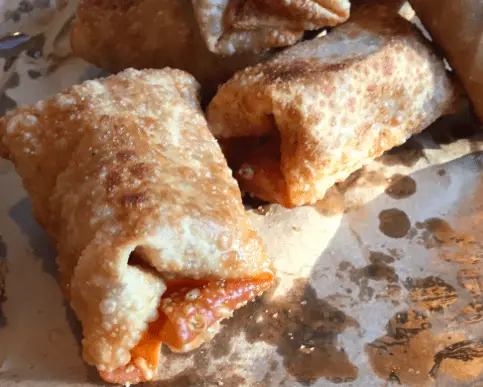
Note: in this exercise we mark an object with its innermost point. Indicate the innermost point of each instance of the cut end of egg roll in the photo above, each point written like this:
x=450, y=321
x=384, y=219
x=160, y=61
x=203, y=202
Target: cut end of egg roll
x=233, y=26
x=153, y=242
x=297, y=124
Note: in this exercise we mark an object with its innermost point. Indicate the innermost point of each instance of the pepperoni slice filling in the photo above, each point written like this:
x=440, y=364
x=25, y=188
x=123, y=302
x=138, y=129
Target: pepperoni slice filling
x=189, y=313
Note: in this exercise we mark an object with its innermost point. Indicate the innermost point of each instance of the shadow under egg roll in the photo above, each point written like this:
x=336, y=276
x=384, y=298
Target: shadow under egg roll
x=295, y=125
x=234, y=26
x=153, y=242
x=457, y=27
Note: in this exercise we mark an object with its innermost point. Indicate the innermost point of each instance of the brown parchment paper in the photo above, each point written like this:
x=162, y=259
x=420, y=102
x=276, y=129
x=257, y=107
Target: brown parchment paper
x=379, y=284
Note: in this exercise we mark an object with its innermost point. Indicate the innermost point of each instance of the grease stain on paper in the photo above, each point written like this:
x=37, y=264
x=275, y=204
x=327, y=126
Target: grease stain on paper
x=401, y=187
x=394, y=223
x=405, y=354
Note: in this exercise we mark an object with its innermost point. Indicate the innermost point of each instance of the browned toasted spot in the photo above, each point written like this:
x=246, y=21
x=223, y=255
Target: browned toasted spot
x=113, y=179
x=140, y=170
x=133, y=199
x=124, y=155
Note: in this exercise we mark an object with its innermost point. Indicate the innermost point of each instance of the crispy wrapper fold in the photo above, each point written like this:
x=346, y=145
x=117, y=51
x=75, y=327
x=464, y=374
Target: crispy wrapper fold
x=153, y=242
x=304, y=120
x=457, y=27
x=118, y=34
x=234, y=26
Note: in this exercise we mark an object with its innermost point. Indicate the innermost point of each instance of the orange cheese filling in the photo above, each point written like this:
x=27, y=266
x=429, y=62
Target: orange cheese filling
x=189, y=313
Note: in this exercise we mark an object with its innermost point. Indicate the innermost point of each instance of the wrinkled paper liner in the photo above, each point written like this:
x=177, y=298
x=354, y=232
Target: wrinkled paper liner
x=380, y=281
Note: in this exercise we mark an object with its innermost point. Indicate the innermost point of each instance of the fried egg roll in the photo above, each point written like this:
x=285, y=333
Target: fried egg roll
x=153, y=242
x=234, y=26
x=309, y=117
x=118, y=34
x=457, y=27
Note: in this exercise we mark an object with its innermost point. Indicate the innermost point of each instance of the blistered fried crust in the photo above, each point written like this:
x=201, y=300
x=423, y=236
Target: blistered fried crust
x=235, y=26
x=118, y=34
x=457, y=27
x=332, y=104
x=126, y=176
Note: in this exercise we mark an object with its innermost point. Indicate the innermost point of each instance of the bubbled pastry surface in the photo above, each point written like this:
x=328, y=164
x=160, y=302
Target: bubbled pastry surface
x=128, y=164
x=337, y=101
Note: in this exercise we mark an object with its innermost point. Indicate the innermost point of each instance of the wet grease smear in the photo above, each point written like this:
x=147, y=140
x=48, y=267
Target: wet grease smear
x=394, y=223
x=405, y=354
x=401, y=355
x=401, y=187
x=378, y=270
x=430, y=293
x=462, y=360
x=303, y=329
x=454, y=246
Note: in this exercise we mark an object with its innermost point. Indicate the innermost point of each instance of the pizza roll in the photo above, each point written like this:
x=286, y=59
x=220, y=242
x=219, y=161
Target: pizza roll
x=309, y=117
x=457, y=27
x=153, y=242
x=233, y=26
x=115, y=35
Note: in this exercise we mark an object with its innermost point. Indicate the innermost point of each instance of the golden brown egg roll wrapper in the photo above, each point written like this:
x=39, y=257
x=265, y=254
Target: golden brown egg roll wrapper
x=115, y=35
x=234, y=26
x=127, y=178
x=457, y=27
x=306, y=119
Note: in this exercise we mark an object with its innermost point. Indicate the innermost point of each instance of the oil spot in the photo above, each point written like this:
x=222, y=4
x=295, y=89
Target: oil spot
x=394, y=223
x=405, y=353
x=34, y=74
x=441, y=172
x=377, y=270
x=462, y=360
x=401, y=187
x=407, y=154
x=430, y=293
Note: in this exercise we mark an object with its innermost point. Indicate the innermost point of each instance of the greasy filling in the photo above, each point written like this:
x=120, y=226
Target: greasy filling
x=189, y=314
x=256, y=162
